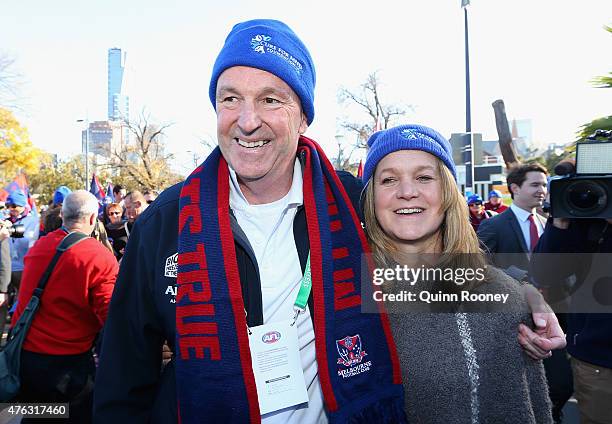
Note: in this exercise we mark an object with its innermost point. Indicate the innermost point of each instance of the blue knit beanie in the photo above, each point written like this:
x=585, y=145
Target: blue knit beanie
x=407, y=137
x=60, y=194
x=474, y=198
x=271, y=46
x=17, y=197
x=495, y=193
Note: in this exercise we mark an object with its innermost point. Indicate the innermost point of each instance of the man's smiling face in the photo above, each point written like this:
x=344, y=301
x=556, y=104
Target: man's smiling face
x=259, y=121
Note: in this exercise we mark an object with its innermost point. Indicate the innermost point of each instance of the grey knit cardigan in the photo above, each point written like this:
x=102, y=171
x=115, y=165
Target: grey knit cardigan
x=468, y=367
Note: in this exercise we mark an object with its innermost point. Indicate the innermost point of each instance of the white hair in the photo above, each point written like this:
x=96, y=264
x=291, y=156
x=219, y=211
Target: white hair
x=77, y=206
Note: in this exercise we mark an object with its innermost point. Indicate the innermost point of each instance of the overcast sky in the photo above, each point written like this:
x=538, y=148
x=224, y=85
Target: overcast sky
x=537, y=55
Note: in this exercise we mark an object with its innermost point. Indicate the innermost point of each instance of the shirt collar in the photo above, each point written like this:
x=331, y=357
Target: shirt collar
x=294, y=198
x=521, y=214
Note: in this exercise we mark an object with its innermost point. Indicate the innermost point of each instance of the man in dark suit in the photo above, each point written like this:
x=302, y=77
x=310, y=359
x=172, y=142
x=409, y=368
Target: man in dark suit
x=510, y=236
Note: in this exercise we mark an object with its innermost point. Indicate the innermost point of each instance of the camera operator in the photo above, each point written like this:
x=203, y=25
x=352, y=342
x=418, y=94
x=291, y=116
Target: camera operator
x=6, y=230
x=5, y=268
x=589, y=335
x=16, y=203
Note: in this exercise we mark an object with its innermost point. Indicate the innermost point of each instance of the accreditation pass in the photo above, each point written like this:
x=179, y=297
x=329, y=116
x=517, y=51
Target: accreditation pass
x=277, y=367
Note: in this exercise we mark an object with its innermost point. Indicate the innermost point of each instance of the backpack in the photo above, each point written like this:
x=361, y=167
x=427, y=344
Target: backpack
x=10, y=356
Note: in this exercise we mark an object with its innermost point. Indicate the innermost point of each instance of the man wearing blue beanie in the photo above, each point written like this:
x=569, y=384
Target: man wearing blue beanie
x=50, y=218
x=495, y=203
x=20, y=214
x=271, y=46
x=478, y=213
x=259, y=239
x=60, y=194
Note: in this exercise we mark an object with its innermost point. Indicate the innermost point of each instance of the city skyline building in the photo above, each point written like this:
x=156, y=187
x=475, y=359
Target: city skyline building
x=118, y=101
x=522, y=135
x=522, y=128
x=105, y=139
x=102, y=139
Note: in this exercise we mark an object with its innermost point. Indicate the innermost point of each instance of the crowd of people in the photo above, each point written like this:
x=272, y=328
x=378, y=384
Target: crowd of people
x=202, y=275
x=60, y=343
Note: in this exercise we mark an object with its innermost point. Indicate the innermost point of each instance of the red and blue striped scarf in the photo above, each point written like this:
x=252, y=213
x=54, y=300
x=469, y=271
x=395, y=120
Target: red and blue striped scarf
x=357, y=362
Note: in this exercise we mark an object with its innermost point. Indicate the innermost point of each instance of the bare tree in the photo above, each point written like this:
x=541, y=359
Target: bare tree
x=345, y=153
x=10, y=83
x=144, y=159
x=208, y=144
x=368, y=100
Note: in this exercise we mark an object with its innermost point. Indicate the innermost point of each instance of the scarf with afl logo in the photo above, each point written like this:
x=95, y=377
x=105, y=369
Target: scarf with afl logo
x=357, y=362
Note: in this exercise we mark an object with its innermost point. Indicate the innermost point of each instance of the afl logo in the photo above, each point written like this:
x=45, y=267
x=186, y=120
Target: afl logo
x=271, y=337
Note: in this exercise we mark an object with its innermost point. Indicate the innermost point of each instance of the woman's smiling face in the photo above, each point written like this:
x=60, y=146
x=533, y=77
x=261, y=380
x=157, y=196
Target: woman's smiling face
x=408, y=200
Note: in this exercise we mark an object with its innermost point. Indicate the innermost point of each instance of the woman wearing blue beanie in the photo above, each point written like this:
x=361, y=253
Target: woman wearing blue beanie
x=477, y=211
x=459, y=365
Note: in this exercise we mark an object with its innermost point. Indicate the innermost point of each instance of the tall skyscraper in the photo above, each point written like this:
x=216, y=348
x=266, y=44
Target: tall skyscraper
x=105, y=138
x=118, y=102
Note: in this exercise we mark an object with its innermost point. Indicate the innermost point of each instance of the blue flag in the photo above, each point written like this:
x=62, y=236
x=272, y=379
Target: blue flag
x=109, y=192
x=97, y=190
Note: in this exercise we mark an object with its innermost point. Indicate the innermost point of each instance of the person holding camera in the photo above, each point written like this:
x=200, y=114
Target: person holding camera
x=5, y=271
x=20, y=241
x=6, y=231
x=589, y=335
x=16, y=203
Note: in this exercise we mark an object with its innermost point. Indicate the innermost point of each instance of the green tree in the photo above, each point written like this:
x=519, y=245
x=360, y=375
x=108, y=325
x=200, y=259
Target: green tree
x=53, y=173
x=68, y=172
x=604, y=123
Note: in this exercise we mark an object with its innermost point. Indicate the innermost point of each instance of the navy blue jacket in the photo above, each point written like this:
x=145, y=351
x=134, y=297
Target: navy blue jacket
x=130, y=384
x=589, y=336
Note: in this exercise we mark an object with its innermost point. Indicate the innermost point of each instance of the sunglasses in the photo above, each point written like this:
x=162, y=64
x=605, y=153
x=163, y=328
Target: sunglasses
x=12, y=206
x=475, y=204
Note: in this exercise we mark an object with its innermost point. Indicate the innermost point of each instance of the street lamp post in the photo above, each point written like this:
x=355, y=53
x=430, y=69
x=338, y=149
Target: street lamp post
x=469, y=144
x=468, y=107
x=195, y=156
x=86, y=150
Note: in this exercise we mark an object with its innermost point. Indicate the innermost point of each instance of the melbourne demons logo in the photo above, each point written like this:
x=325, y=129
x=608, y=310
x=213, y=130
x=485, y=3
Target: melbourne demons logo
x=350, y=350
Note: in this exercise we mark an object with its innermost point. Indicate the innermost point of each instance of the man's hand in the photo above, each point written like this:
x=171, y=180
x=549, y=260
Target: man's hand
x=548, y=334
x=166, y=353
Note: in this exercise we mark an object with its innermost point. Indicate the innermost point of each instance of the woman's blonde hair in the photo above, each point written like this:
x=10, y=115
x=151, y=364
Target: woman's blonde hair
x=460, y=245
